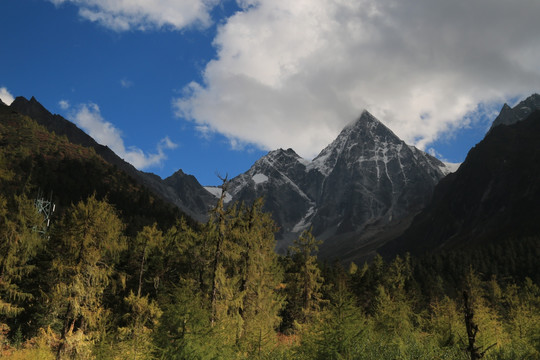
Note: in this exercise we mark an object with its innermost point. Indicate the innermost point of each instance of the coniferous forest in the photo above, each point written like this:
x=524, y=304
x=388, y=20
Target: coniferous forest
x=119, y=274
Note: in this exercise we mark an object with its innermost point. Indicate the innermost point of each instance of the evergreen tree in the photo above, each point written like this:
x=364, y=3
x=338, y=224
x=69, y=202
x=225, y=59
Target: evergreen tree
x=446, y=323
x=147, y=240
x=89, y=241
x=342, y=325
x=484, y=331
x=135, y=338
x=304, y=280
x=260, y=277
x=522, y=311
x=184, y=331
x=216, y=237
x=19, y=245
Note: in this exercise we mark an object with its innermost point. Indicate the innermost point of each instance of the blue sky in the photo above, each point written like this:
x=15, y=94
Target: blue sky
x=209, y=86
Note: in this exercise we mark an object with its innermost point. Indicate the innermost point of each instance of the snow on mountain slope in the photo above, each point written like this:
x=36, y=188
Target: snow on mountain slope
x=366, y=176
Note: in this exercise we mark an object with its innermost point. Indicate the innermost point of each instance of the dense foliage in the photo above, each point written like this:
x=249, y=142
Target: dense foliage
x=85, y=291
x=107, y=281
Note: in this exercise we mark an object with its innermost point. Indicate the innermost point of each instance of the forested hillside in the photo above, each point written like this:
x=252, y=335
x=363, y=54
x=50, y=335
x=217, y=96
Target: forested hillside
x=120, y=275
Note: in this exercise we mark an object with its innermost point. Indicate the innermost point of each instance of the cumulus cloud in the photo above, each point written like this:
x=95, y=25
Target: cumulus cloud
x=293, y=73
x=64, y=104
x=88, y=117
x=123, y=15
x=6, y=96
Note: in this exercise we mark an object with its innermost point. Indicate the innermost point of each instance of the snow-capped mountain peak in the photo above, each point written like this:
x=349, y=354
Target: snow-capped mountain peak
x=364, y=139
x=366, y=175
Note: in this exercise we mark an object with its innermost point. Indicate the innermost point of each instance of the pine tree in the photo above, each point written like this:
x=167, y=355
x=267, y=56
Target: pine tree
x=393, y=312
x=260, y=277
x=344, y=324
x=522, y=311
x=215, y=236
x=135, y=338
x=484, y=331
x=236, y=267
x=304, y=280
x=19, y=244
x=445, y=323
x=89, y=241
x=148, y=239
x=184, y=331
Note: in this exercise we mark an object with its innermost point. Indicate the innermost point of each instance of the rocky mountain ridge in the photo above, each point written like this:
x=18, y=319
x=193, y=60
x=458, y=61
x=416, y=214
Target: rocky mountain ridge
x=179, y=189
x=493, y=196
x=364, y=189
x=521, y=111
x=367, y=178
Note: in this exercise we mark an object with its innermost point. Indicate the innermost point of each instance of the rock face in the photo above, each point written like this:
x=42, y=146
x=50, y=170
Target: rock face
x=365, y=179
x=493, y=196
x=370, y=175
x=180, y=189
x=519, y=112
x=279, y=177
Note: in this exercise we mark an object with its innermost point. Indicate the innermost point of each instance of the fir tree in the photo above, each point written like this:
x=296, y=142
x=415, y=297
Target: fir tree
x=261, y=277
x=89, y=243
x=304, y=280
x=148, y=239
x=19, y=244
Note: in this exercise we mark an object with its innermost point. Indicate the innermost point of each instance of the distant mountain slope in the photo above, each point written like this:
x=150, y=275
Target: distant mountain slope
x=493, y=196
x=182, y=190
x=365, y=182
x=32, y=159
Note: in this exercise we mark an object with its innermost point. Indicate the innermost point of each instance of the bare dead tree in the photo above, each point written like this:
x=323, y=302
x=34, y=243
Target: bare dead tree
x=472, y=330
x=219, y=213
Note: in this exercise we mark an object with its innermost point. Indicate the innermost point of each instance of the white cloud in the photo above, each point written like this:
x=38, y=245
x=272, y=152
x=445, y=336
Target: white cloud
x=64, y=104
x=167, y=144
x=88, y=117
x=293, y=73
x=6, y=96
x=123, y=15
x=126, y=84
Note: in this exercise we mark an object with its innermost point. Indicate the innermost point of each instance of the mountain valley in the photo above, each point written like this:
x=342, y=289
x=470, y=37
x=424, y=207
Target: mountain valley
x=362, y=191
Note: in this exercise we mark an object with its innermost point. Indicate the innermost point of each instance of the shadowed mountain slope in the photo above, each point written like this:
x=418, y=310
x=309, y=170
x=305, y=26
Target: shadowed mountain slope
x=181, y=190
x=493, y=196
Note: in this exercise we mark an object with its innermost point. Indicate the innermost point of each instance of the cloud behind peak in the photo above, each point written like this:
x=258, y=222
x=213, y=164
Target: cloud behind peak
x=294, y=73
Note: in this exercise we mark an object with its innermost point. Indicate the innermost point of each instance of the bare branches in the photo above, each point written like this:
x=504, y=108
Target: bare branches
x=472, y=330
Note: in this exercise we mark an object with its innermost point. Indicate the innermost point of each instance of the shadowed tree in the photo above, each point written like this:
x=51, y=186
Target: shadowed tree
x=19, y=244
x=304, y=280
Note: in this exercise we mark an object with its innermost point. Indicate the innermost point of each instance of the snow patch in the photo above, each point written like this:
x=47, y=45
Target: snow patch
x=304, y=223
x=259, y=178
x=216, y=191
x=449, y=167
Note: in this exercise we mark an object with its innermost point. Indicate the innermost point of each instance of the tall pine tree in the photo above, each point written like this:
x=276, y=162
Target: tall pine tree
x=19, y=244
x=89, y=241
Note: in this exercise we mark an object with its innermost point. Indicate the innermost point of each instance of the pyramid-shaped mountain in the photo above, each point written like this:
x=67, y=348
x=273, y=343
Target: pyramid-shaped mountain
x=494, y=195
x=360, y=191
x=365, y=182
